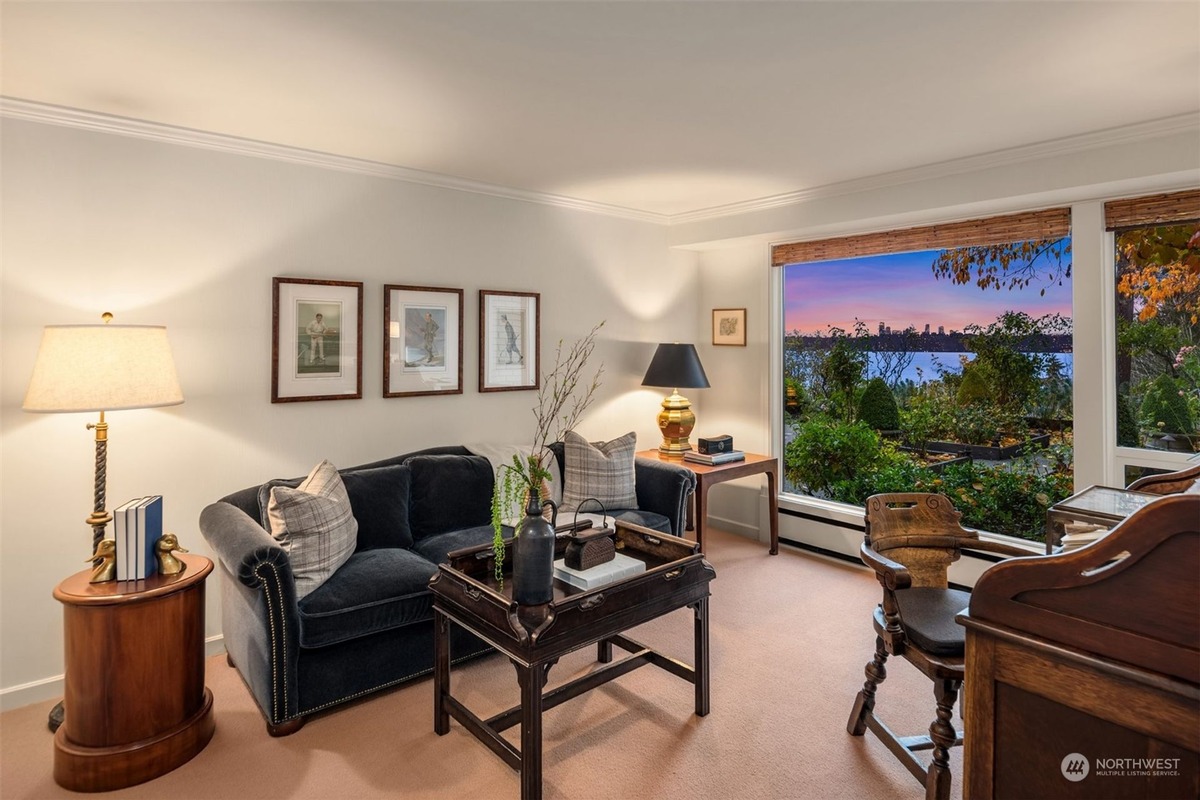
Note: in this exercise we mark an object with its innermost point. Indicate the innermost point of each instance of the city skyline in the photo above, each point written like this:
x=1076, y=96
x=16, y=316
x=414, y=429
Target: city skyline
x=900, y=291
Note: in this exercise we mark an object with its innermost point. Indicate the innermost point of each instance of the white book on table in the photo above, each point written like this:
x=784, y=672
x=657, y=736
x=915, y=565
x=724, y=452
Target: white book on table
x=621, y=566
x=122, y=539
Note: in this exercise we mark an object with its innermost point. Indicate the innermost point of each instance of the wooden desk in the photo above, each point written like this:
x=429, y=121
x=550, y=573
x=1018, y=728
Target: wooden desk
x=706, y=476
x=135, y=700
x=1086, y=662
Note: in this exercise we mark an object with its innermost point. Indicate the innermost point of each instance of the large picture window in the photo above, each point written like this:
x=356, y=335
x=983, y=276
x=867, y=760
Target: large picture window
x=1157, y=301
x=946, y=368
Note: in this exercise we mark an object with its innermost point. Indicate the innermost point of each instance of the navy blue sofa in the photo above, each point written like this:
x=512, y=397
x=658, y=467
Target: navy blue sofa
x=370, y=625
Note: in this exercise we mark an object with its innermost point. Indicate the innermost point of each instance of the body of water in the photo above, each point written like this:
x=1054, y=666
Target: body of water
x=924, y=366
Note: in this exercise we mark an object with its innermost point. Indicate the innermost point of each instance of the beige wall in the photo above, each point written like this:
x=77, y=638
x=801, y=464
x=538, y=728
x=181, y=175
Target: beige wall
x=190, y=238
x=159, y=233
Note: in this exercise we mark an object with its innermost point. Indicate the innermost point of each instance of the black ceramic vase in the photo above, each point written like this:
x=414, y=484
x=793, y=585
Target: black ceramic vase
x=533, y=564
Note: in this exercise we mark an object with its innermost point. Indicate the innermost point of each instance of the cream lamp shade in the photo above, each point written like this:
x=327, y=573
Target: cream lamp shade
x=103, y=368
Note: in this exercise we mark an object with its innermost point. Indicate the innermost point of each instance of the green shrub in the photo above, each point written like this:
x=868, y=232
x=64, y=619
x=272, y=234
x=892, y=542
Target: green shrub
x=974, y=387
x=826, y=452
x=977, y=424
x=1164, y=408
x=877, y=407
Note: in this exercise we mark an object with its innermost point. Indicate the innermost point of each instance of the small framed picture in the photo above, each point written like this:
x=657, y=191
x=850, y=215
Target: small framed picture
x=509, y=341
x=422, y=341
x=729, y=327
x=316, y=340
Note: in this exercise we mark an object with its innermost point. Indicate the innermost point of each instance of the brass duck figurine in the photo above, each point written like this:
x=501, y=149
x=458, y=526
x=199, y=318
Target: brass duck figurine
x=106, y=570
x=165, y=551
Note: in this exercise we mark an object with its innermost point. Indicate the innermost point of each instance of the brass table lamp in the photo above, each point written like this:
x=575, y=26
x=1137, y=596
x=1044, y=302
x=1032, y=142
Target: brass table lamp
x=676, y=366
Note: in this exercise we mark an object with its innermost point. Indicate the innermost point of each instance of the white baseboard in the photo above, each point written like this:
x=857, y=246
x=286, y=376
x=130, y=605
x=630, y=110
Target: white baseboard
x=51, y=688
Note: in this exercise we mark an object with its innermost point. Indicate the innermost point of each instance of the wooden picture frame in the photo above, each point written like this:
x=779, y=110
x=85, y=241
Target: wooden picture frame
x=312, y=357
x=422, y=340
x=729, y=327
x=510, y=333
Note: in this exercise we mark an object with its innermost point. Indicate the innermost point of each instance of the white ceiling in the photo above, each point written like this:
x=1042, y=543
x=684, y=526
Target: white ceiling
x=659, y=107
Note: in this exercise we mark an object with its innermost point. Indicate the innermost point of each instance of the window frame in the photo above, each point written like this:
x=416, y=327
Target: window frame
x=1098, y=460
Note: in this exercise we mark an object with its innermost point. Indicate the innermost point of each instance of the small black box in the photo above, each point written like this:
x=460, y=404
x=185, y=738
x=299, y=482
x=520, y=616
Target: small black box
x=722, y=443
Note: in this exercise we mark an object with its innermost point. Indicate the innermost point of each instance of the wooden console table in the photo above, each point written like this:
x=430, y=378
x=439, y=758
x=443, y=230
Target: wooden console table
x=135, y=700
x=707, y=475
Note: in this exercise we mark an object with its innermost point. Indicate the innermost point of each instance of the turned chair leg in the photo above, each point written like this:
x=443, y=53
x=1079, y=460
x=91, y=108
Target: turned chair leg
x=286, y=728
x=937, y=781
x=864, y=704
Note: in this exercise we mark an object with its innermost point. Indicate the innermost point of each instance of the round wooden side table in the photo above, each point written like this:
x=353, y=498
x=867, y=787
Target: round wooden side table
x=135, y=700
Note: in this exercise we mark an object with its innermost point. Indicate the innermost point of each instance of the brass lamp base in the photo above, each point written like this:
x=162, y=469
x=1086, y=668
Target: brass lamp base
x=676, y=421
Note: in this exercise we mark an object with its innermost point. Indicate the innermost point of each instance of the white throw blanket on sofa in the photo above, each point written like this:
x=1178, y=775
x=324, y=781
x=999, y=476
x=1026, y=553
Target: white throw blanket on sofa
x=498, y=454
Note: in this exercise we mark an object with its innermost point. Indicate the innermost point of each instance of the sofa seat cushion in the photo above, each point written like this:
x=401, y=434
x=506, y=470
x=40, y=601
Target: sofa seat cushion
x=436, y=547
x=647, y=519
x=376, y=590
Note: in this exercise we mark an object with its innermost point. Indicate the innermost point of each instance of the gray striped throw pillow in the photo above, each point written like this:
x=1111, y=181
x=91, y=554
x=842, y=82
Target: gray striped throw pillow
x=314, y=524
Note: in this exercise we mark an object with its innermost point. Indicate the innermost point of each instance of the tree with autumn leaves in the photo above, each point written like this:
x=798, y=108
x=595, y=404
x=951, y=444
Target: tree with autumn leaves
x=1157, y=296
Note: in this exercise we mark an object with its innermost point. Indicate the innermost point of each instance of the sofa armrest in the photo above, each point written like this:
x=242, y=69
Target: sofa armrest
x=260, y=618
x=664, y=489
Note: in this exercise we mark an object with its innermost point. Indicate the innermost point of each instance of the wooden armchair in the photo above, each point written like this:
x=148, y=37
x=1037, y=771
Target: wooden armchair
x=911, y=540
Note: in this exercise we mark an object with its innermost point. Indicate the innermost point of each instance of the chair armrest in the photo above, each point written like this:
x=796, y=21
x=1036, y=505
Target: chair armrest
x=242, y=544
x=1002, y=548
x=892, y=574
x=664, y=489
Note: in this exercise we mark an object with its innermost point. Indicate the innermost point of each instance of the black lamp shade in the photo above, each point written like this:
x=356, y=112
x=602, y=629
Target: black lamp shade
x=676, y=366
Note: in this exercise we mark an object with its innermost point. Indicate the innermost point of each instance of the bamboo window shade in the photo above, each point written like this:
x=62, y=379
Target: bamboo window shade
x=1152, y=209
x=1050, y=223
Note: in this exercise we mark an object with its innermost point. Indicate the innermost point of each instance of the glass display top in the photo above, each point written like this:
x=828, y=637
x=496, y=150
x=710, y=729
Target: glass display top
x=1106, y=501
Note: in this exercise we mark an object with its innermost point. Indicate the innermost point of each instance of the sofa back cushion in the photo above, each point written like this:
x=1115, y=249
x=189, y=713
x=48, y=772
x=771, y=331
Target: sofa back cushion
x=379, y=498
x=449, y=492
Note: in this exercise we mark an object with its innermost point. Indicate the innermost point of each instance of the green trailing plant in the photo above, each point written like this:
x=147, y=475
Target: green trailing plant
x=877, y=406
x=562, y=398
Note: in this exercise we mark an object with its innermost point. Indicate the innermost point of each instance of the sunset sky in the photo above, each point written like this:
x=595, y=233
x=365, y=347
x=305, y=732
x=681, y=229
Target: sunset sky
x=900, y=290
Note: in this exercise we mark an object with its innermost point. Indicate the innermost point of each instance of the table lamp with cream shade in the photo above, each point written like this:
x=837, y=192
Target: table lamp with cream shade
x=99, y=368
x=676, y=366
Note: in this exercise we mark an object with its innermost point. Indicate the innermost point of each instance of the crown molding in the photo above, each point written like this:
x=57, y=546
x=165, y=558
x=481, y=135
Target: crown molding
x=124, y=126
x=1184, y=123
x=155, y=131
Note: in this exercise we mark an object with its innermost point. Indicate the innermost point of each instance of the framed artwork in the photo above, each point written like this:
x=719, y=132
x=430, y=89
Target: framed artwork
x=509, y=341
x=316, y=340
x=422, y=341
x=729, y=327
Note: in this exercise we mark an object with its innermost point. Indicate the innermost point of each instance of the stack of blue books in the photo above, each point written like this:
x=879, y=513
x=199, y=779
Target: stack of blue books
x=138, y=527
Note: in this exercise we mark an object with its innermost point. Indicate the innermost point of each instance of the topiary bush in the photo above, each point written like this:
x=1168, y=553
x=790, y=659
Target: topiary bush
x=1127, y=427
x=1165, y=409
x=877, y=406
x=974, y=387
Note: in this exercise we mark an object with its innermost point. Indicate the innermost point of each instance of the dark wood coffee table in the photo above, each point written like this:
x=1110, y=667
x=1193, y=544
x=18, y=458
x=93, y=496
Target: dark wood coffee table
x=535, y=637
